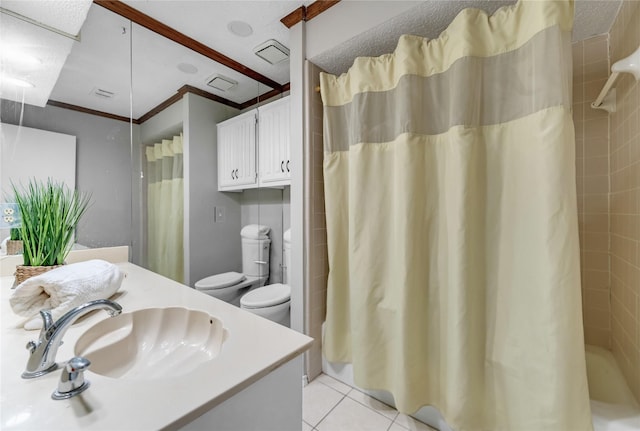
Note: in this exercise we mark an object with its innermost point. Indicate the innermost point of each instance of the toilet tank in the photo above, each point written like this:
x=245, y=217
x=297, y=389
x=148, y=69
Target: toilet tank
x=255, y=257
x=287, y=256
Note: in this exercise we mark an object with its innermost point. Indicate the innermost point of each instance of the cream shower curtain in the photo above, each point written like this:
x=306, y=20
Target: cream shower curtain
x=165, y=194
x=452, y=222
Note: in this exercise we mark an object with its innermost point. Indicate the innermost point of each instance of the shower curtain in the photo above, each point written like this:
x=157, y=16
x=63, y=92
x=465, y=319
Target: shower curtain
x=452, y=223
x=165, y=193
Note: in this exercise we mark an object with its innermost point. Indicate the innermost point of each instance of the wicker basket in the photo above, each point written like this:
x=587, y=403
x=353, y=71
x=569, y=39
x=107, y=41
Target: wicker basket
x=14, y=246
x=25, y=272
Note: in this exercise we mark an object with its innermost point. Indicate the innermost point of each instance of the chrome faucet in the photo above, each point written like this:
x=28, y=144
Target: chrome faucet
x=43, y=352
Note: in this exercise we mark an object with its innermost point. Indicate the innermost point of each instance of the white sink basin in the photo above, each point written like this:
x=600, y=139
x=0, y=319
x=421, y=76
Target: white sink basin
x=152, y=343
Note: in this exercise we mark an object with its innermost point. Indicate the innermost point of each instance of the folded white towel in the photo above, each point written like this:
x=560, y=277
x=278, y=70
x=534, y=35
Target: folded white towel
x=64, y=288
x=255, y=231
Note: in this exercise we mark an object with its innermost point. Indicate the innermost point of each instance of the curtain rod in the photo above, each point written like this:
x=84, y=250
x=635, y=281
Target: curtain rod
x=607, y=98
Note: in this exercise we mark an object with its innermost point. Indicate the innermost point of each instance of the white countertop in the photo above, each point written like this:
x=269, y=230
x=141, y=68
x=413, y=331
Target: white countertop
x=254, y=347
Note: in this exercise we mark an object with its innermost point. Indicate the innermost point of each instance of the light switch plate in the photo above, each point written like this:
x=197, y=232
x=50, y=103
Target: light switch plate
x=219, y=214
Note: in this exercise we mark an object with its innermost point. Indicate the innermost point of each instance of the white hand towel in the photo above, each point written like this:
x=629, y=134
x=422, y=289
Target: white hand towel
x=64, y=288
x=255, y=231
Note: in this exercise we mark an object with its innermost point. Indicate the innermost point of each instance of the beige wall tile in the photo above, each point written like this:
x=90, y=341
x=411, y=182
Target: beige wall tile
x=596, y=71
x=594, y=146
x=596, y=203
x=597, y=337
x=624, y=202
x=593, y=279
x=595, y=49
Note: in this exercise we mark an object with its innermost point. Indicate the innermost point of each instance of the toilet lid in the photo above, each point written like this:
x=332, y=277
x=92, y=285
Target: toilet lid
x=220, y=281
x=267, y=296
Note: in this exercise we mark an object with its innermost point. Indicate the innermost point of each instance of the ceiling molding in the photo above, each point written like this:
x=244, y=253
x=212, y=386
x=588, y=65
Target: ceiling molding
x=90, y=111
x=294, y=17
x=265, y=96
x=180, y=93
x=194, y=90
x=170, y=101
x=319, y=6
x=170, y=33
x=162, y=106
x=307, y=13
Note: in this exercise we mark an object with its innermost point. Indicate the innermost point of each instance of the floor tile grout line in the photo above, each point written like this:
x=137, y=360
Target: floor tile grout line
x=394, y=420
x=373, y=410
x=329, y=386
x=332, y=408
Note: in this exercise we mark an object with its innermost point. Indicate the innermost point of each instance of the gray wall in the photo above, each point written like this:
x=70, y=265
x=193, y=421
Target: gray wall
x=103, y=166
x=210, y=247
x=269, y=207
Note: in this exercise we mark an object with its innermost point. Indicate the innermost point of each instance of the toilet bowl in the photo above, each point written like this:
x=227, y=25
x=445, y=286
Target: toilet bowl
x=273, y=301
x=230, y=286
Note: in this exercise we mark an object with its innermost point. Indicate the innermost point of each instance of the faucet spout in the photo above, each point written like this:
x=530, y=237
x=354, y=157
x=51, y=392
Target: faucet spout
x=42, y=359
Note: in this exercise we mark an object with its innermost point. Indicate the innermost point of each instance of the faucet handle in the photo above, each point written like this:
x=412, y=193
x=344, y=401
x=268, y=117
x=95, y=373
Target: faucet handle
x=72, y=380
x=31, y=346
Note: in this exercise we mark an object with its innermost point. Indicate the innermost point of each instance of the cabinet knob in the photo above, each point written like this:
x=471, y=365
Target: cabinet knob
x=232, y=175
x=288, y=165
x=282, y=166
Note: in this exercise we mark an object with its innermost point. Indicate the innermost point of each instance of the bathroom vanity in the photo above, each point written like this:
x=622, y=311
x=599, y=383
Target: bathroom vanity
x=254, y=382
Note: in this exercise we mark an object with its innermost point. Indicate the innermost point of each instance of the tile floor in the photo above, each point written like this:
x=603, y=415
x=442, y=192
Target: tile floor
x=330, y=405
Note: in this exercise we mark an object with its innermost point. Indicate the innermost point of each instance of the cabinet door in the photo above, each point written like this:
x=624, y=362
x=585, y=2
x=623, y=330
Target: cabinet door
x=237, y=152
x=273, y=143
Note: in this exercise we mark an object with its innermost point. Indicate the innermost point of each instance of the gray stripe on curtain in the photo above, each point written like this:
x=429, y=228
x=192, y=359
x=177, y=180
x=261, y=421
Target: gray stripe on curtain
x=151, y=172
x=178, y=168
x=498, y=90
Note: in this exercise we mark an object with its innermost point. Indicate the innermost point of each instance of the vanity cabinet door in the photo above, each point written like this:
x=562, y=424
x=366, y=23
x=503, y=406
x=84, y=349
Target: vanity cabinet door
x=273, y=143
x=237, y=153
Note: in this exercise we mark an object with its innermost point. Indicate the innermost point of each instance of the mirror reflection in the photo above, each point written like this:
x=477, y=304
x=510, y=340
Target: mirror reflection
x=146, y=120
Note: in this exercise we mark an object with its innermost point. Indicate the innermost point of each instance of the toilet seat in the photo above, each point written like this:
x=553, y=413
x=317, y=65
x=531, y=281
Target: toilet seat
x=267, y=296
x=220, y=281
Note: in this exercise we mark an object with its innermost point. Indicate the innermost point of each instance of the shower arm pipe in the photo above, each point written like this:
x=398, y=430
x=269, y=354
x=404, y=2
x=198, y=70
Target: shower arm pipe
x=607, y=98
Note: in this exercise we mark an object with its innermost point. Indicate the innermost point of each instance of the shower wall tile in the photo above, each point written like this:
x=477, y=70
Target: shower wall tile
x=624, y=166
x=590, y=70
x=315, y=225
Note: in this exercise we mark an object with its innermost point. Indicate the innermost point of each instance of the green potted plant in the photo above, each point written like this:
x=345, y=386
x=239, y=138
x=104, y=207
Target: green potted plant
x=14, y=244
x=50, y=213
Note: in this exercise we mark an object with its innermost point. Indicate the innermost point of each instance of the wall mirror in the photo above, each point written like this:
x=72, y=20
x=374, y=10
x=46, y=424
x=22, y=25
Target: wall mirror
x=144, y=123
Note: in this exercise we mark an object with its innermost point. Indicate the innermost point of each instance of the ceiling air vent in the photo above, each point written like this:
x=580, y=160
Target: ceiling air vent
x=102, y=93
x=272, y=51
x=221, y=83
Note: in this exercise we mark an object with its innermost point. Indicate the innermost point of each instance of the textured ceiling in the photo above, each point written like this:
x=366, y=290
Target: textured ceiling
x=49, y=48
x=429, y=18
x=102, y=58
x=102, y=61
x=206, y=22
x=64, y=15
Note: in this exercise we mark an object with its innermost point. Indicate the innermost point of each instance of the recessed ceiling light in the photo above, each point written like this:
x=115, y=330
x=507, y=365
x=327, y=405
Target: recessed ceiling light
x=187, y=68
x=221, y=83
x=16, y=82
x=272, y=51
x=240, y=28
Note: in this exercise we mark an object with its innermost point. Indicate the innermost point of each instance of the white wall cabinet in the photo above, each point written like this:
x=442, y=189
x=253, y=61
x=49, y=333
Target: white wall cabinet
x=274, y=167
x=256, y=139
x=237, y=153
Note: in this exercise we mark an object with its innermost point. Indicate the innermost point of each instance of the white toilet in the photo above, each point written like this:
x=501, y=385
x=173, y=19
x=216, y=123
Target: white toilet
x=273, y=301
x=230, y=286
